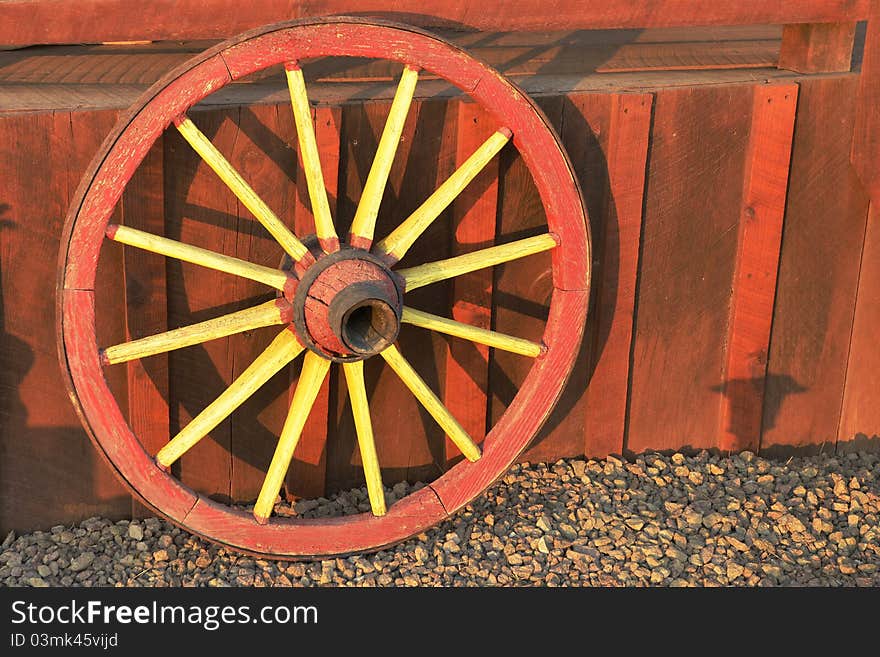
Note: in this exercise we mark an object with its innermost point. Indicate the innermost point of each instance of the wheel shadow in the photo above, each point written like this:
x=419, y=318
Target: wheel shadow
x=48, y=474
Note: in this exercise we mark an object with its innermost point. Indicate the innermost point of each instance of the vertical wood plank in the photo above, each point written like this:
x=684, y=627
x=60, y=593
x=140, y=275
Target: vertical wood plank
x=200, y=210
x=615, y=276
x=585, y=130
x=757, y=263
x=818, y=273
x=860, y=417
x=473, y=219
x=261, y=152
x=689, y=243
x=817, y=47
x=308, y=471
x=606, y=137
x=146, y=309
x=866, y=131
x=49, y=471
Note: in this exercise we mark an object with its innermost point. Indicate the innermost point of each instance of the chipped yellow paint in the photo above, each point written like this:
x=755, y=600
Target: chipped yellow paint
x=474, y=334
x=279, y=353
x=310, y=379
x=403, y=237
x=364, y=223
x=248, y=197
x=432, y=272
x=360, y=408
x=266, y=314
x=311, y=160
x=198, y=256
x=432, y=404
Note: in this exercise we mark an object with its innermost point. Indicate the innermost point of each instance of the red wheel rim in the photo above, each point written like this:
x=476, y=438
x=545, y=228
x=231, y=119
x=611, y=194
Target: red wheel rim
x=125, y=148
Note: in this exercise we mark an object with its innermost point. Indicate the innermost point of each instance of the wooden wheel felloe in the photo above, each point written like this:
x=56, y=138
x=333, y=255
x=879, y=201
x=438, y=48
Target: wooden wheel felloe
x=340, y=297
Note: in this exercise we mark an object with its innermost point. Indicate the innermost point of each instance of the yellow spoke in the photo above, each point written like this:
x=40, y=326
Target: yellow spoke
x=198, y=256
x=279, y=353
x=364, y=222
x=310, y=379
x=432, y=404
x=266, y=314
x=248, y=197
x=308, y=148
x=472, y=333
x=440, y=270
x=360, y=408
x=403, y=237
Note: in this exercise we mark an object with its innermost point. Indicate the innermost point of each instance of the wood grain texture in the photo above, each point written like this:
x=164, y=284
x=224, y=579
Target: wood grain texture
x=146, y=309
x=48, y=469
x=401, y=238
x=132, y=138
x=817, y=47
x=363, y=224
x=606, y=137
x=283, y=349
x=757, y=263
x=621, y=130
x=818, y=273
x=450, y=268
x=860, y=417
x=55, y=21
x=242, y=190
x=692, y=211
x=314, y=371
x=473, y=220
x=308, y=471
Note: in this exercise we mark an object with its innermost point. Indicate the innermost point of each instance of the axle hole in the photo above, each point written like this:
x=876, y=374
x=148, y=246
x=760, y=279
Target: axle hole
x=370, y=327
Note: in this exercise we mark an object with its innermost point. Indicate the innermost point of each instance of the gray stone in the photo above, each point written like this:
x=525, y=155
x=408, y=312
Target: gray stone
x=572, y=523
x=82, y=561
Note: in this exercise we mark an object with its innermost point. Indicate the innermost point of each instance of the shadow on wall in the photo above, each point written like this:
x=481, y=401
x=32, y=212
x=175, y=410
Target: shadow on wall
x=859, y=443
x=48, y=475
x=740, y=394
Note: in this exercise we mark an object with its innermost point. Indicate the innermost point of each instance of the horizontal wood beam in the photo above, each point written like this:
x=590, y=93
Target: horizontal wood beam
x=817, y=47
x=29, y=22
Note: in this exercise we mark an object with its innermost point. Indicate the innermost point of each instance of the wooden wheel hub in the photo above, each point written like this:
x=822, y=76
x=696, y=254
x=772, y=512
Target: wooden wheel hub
x=348, y=305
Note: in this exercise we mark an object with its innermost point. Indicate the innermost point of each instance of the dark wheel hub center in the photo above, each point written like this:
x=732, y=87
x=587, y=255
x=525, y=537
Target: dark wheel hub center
x=347, y=306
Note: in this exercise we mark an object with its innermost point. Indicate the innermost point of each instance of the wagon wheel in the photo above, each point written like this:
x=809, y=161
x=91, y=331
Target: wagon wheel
x=358, y=318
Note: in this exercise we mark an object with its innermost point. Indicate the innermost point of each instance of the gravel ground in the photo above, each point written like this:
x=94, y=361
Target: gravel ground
x=658, y=521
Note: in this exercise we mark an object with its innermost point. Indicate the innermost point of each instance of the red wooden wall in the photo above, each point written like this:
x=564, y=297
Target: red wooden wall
x=736, y=291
